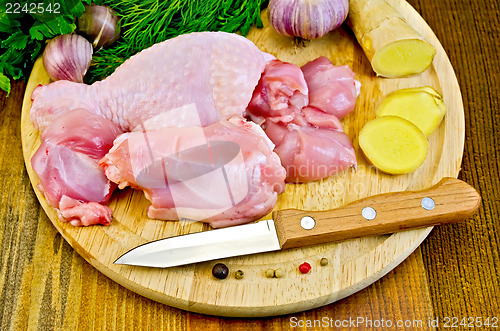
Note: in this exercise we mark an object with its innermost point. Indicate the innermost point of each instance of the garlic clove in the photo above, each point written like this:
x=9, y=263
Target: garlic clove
x=67, y=57
x=100, y=25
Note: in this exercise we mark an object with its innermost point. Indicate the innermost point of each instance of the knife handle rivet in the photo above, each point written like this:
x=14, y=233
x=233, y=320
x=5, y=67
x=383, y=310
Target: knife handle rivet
x=369, y=213
x=427, y=203
x=307, y=222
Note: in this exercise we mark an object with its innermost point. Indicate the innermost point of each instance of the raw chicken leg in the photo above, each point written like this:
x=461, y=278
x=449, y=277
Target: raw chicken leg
x=225, y=174
x=67, y=164
x=214, y=73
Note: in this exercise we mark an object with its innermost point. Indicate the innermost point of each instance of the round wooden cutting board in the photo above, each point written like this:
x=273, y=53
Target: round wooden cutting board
x=354, y=264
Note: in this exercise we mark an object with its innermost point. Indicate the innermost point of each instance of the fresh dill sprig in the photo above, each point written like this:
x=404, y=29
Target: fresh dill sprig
x=147, y=22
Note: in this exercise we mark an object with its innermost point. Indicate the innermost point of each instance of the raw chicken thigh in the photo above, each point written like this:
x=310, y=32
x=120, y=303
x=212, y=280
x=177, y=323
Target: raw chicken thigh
x=67, y=164
x=225, y=173
x=214, y=73
x=300, y=109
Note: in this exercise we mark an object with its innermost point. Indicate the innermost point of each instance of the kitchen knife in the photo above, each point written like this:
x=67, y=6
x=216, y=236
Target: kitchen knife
x=451, y=200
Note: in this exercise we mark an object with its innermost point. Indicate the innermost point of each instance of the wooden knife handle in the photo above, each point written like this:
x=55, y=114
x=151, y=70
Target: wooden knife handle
x=450, y=200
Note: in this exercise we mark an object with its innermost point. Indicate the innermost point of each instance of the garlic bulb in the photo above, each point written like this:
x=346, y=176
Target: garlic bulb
x=67, y=57
x=308, y=19
x=100, y=25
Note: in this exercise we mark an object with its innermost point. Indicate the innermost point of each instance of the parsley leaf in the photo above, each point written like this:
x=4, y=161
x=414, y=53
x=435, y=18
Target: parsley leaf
x=23, y=35
x=5, y=83
x=17, y=40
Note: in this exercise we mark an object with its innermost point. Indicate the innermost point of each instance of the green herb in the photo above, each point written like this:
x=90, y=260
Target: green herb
x=24, y=29
x=148, y=22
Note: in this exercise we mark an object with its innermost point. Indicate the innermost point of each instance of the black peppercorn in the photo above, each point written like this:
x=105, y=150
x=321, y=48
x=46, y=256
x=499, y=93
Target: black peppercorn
x=220, y=271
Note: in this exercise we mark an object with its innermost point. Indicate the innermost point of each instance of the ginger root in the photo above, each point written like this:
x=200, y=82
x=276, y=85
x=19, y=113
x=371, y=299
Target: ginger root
x=393, y=144
x=392, y=46
x=422, y=106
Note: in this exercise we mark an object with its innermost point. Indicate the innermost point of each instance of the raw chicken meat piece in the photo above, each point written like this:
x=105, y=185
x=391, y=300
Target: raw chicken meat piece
x=67, y=164
x=225, y=173
x=285, y=89
x=308, y=135
x=310, y=153
x=213, y=73
x=281, y=93
x=332, y=89
x=316, y=118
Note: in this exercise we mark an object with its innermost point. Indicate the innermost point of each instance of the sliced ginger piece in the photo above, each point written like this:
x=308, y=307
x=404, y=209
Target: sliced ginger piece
x=403, y=58
x=392, y=46
x=422, y=106
x=393, y=144
x=427, y=89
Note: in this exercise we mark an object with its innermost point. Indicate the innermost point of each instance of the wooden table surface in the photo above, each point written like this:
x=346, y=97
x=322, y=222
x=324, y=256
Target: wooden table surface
x=454, y=274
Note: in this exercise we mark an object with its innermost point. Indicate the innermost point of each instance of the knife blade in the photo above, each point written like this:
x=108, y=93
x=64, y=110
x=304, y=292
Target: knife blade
x=451, y=200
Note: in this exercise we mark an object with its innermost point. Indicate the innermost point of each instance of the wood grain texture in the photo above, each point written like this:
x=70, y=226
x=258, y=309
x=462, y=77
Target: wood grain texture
x=455, y=273
x=463, y=260
x=355, y=263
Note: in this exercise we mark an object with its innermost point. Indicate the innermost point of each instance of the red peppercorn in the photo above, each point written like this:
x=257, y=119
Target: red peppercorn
x=304, y=268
